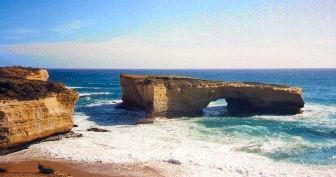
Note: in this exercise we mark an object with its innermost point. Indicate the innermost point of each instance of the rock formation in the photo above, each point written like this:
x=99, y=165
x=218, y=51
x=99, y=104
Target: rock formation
x=32, y=108
x=173, y=96
x=25, y=73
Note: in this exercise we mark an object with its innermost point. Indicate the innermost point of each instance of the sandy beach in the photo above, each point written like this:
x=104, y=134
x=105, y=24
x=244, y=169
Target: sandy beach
x=25, y=164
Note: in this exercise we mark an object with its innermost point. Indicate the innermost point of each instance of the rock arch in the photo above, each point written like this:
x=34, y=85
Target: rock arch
x=172, y=96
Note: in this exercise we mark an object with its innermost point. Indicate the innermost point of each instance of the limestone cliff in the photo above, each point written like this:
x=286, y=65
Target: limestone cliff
x=172, y=96
x=33, y=109
x=25, y=73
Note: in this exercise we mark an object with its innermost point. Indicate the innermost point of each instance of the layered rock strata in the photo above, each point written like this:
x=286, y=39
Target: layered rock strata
x=173, y=96
x=33, y=109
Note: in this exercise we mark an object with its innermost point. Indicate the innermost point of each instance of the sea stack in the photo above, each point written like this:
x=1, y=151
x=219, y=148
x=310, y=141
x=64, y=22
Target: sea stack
x=173, y=96
x=32, y=108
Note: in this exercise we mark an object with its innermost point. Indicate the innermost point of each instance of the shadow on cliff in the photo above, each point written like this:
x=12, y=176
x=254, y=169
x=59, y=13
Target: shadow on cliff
x=109, y=115
x=112, y=114
x=240, y=111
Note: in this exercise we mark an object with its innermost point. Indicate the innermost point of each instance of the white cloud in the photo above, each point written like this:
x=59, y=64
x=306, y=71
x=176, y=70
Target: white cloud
x=70, y=27
x=287, y=36
x=193, y=51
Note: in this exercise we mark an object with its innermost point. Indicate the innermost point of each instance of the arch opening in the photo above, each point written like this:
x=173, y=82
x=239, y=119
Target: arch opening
x=216, y=108
x=230, y=107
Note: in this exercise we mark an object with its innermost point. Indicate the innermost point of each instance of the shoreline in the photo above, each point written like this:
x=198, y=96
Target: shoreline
x=76, y=169
x=30, y=168
x=135, y=155
x=25, y=163
x=108, y=141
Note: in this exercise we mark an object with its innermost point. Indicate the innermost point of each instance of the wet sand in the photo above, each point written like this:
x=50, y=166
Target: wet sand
x=29, y=167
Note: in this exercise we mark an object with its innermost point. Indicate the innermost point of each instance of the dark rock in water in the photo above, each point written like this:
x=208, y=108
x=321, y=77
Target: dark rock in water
x=3, y=170
x=75, y=125
x=57, y=137
x=97, y=130
x=45, y=170
x=72, y=135
x=66, y=135
x=144, y=121
x=128, y=107
x=173, y=161
x=52, y=138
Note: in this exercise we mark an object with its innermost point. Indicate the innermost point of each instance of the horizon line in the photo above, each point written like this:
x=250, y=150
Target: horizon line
x=184, y=68
x=166, y=68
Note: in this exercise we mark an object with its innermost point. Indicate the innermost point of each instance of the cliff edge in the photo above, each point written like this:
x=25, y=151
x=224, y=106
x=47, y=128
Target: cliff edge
x=173, y=96
x=32, y=108
x=24, y=73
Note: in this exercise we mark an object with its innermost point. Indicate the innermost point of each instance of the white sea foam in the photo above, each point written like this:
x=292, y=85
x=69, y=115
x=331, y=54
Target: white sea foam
x=91, y=88
x=104, y=102
x=73, y=87
x=220, y=102
x=293, y=145
x=94, y=93
x=312, y=113
x=177, y=139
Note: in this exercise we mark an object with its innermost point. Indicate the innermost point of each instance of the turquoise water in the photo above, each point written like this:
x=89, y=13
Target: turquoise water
x=308, y=138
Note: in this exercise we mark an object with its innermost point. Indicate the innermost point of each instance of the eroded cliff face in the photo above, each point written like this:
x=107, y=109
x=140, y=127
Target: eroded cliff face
x=25, y=73
x=33, y=109
x=172, y=96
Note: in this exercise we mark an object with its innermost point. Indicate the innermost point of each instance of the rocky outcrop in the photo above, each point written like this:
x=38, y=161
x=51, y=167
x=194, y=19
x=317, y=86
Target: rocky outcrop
x=172, y=96
x=24, y=73
x=33, y=109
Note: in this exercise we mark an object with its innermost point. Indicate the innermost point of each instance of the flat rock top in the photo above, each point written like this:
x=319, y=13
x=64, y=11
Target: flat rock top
x=136, y=76
x=183, y=81
x=24, y=72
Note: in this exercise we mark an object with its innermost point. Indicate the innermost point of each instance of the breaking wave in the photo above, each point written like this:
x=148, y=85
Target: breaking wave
x=94, y=93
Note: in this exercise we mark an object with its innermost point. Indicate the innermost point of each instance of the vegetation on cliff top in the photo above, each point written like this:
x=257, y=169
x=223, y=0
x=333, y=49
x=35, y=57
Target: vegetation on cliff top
x=17, y=70
x=22, y=89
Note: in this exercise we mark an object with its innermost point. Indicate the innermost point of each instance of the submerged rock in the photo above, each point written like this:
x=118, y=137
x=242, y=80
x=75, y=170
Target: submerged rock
x=173, y=161
x=52, y=138
x=145, y=121
x=31, y=108
x=97, y=130
x=173, y=96
x=70, y=134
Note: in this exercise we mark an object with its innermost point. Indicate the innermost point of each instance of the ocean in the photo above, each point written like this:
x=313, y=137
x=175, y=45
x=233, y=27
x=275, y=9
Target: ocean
x=214, y=143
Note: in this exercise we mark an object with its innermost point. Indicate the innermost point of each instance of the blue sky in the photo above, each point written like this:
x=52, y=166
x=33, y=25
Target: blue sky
x=168, y=34
x=27, y=21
